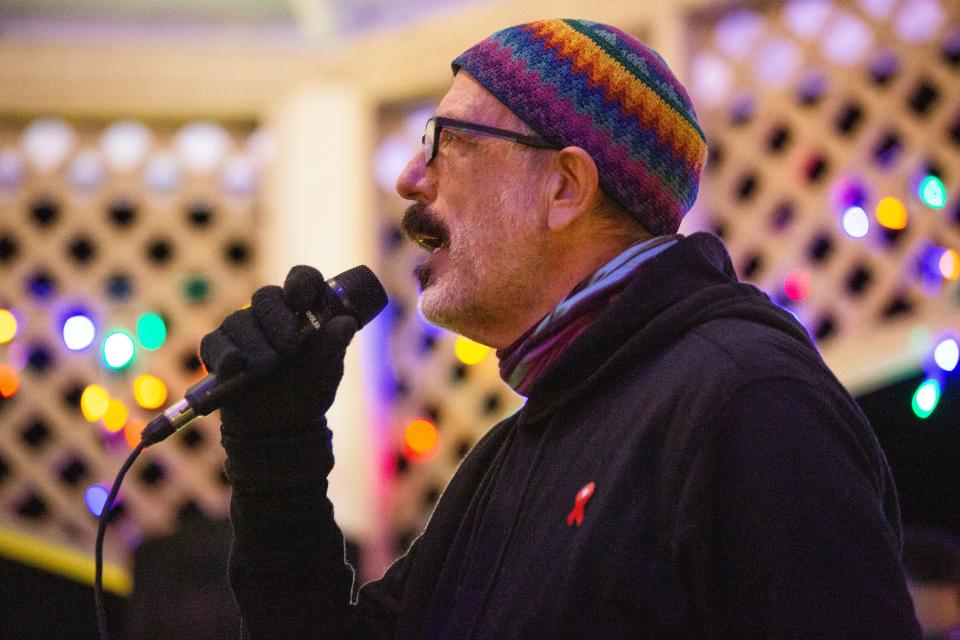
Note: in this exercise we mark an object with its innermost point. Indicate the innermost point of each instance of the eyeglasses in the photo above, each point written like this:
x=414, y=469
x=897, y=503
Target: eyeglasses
x=436, y=124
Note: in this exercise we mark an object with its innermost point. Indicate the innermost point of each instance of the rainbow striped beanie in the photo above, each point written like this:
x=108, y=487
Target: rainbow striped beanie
x=590, y=85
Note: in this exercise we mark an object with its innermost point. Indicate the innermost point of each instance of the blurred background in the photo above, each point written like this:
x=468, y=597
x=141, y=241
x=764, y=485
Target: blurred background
x=159, y=161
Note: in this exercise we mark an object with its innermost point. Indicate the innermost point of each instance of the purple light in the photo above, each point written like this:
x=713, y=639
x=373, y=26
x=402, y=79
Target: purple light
x=95, y=497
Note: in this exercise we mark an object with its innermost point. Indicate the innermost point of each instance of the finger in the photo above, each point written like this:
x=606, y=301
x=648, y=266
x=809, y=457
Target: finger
x=220, y=355
x=303, y=287
x=338, y=331
x=245, y=332
x=278, y=322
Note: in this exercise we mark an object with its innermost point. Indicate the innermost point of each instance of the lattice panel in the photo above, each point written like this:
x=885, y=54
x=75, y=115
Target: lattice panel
x=116, y=220
x=812, y=107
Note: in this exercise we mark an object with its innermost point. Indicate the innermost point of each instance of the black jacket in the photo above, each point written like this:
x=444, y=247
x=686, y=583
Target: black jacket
x=739, y=492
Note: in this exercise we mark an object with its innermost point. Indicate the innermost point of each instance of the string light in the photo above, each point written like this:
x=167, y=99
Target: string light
x=892, y=214
x=9, y=381
x=796, y=284
x=926, y=398
x=151, y=331
x=855, y=222
x=420, y=438
x=949, y=264
x=468, y=351
x=96, y=497
x=115, y=416
x=94, y=402
x=118, y=350
x=933, y=193
x=946, y=354
x=78, y=332
x=149, y=391
x=8, y=326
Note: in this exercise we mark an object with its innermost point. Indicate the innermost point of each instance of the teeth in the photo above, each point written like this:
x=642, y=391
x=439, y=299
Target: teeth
x=429, y=243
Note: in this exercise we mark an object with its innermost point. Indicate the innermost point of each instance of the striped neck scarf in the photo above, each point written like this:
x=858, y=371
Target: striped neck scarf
x=524, y=361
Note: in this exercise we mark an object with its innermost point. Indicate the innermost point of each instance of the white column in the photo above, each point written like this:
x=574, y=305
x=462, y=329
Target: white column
x=318, y=212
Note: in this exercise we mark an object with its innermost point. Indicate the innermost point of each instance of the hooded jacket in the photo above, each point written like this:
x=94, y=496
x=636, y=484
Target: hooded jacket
x=687, y=468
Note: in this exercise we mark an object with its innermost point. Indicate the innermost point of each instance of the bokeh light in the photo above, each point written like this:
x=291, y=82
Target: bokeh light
x=420, y=438
x=8, y=326
x=949, y=264
x=132, y=431
x=96, y=497
x=855, y=222
x=78, y=332
x=926, y=398
x=932, y=192
x=892, y=214
x=470, y=352
x=151, y=331
x=149, y=391
x=796, y=284
x=115, y=416
x=9, y=380
x=94, y=402
x=946, y=354
x=118, y=350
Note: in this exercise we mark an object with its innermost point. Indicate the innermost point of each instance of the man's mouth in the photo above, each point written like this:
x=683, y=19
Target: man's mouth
x=425, y=228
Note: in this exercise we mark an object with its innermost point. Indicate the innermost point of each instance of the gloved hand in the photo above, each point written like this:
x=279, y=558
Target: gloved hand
x=283, y=398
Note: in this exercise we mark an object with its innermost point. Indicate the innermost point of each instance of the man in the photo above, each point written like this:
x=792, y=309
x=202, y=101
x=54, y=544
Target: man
x=685, y=465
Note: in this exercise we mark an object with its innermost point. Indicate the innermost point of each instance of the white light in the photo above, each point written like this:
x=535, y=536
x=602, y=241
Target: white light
x=162, y=172
x=806, y=17
x=947, y=354
x=78, y=332
x=919, y=20
x=847, y=39
x=86, y=170
x=240, y=174
x=11, y=169
x=125, y=144
x=391, y=157
x=855, y=222
x=736, y=34
x=712, y=79
x=201, y=146
x=118, y=350
x=47, y=143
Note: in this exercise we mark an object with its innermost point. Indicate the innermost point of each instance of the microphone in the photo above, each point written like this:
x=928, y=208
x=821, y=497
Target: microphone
x=355, y=292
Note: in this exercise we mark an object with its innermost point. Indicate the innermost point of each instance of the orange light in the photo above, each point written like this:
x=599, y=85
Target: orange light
x=149, y=391
x=892, y=214
x=420, y=438
x=9, y=380
x=116, y=415
x=132, y=431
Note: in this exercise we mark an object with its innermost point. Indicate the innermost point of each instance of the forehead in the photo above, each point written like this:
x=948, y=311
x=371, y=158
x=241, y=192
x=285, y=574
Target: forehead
x=468, y=100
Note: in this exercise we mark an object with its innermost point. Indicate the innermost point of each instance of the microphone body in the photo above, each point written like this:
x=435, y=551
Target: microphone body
x=355, y=292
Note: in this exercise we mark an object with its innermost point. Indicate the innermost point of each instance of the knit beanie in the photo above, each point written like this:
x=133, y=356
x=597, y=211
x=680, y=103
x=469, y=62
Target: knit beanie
x=590, y=85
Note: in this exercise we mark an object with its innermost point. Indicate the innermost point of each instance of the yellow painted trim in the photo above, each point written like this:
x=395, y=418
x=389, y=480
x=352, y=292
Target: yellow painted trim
x=63, y=561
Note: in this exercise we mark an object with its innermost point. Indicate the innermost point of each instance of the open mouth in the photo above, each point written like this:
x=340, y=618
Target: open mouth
x=425, y=229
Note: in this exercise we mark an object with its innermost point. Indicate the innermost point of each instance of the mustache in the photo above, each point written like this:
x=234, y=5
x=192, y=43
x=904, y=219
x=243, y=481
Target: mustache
x=423, y=227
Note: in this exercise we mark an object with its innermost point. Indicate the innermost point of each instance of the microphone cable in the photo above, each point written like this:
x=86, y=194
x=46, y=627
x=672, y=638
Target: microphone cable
x=101, y=531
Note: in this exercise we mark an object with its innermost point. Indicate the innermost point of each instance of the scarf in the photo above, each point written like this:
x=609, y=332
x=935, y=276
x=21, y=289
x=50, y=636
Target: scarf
x=524, y=361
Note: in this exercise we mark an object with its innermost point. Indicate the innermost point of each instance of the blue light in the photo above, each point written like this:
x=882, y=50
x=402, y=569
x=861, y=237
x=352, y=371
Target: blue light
x=95, y=497
x=78, y=332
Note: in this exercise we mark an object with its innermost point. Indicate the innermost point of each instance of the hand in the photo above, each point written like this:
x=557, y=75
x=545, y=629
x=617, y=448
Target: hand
x=295, y=378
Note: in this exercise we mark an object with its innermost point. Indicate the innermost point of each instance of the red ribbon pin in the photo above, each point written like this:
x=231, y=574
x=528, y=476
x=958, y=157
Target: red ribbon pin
x=581, y=500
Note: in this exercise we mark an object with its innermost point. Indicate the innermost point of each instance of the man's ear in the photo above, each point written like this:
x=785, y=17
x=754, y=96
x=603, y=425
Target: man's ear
x=572, y=187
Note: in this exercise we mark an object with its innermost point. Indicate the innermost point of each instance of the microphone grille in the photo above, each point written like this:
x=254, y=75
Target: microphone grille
x=363, y=293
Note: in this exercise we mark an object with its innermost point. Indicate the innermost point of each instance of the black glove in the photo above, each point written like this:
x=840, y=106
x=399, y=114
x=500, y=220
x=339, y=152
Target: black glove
x=291, y=397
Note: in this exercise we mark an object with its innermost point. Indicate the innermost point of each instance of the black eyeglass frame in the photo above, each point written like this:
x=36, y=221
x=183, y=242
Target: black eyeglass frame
x=440, y=123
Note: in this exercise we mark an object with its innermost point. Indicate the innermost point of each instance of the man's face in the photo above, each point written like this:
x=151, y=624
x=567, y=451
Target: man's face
x=477, y=207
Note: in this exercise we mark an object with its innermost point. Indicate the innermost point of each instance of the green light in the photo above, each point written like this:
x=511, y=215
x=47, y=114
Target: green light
x=118, y=349
x=925, y=398
x=151, y=331
x=933, y=193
